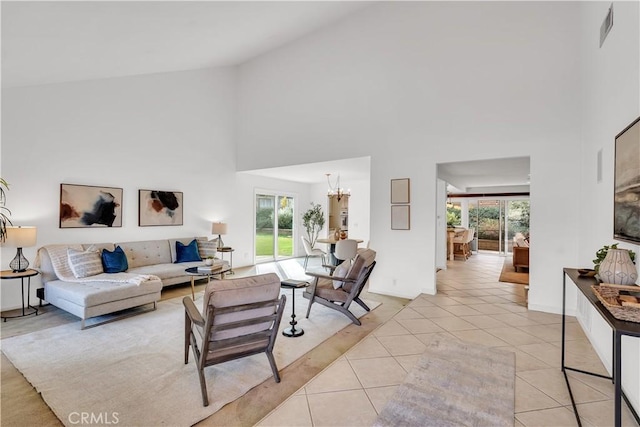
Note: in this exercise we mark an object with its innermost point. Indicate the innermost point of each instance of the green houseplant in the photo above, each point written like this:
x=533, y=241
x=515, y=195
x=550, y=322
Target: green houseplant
x=4, y=211
x=601, y=254
x=313, y=221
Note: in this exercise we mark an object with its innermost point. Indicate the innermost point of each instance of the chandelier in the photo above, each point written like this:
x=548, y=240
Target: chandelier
x=336, y=190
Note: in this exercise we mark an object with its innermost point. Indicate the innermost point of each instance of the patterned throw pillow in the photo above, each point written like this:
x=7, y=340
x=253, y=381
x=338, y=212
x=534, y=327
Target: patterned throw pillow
x=187, y=253
x=84, y=263
x=207, y=248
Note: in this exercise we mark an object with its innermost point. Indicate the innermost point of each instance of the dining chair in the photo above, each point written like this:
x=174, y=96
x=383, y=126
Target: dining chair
x=311, y=252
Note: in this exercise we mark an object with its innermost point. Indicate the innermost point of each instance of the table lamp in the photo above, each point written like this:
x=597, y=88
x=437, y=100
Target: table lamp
x=20, y=237
x=219, y=228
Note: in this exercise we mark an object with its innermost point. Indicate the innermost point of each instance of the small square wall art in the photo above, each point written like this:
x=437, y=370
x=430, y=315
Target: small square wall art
x=158, y=207
x=83, y=206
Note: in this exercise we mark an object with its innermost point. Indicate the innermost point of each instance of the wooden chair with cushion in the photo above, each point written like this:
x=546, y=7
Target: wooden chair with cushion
x=240, y=318
x=338, y=292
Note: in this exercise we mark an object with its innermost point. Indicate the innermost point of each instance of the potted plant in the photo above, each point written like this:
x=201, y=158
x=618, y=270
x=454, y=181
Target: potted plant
x=601, y=254
x=4, y=211
x=313, y=221
x=209, y=260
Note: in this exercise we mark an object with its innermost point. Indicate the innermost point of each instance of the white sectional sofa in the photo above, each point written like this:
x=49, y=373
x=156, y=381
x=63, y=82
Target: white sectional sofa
x=152, y=265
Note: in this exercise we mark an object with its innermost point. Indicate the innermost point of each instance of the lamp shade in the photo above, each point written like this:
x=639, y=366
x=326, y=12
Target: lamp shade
x=20, y=237
x=219, y=228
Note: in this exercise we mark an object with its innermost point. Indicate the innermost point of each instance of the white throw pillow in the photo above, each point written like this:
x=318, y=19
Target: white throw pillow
x=84, y=263
x=207, y=248
x=341, y=272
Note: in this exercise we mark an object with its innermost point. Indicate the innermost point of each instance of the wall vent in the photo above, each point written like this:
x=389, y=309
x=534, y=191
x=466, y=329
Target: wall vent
x=606, y=25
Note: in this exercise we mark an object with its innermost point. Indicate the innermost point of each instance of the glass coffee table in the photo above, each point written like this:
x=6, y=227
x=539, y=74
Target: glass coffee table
x=221, y=270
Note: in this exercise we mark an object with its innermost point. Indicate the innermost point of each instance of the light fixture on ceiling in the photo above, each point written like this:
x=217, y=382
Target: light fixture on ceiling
x=336, y=190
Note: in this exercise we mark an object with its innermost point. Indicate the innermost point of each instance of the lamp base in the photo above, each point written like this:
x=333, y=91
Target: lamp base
x=220, y=242
x=19, y=263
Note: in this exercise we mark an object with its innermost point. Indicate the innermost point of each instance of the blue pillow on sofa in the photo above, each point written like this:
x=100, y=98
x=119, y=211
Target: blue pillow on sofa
x=187, y=253
x=114, y=261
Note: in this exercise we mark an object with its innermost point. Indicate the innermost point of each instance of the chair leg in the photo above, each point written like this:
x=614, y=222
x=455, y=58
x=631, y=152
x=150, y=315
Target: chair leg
x=274, y=368
x=187, y=335
x=306, y=260
x=203, y=383
x=309, y=307
x=362, y=304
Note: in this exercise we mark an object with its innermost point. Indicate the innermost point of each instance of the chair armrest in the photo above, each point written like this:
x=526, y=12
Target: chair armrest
x=326, y=276
x=192, y=311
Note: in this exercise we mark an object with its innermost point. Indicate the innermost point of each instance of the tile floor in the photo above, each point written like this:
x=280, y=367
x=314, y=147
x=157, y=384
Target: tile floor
x=471, y=305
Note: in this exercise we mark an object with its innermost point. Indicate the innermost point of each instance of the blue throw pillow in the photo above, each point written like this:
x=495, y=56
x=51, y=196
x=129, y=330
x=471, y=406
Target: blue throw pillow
x=187, y=253
x=114, y=262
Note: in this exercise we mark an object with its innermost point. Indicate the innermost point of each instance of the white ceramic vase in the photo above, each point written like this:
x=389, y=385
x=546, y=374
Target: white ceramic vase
x=618, y=268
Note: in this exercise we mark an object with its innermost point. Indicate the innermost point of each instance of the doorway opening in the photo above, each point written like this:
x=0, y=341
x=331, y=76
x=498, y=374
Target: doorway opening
x=274, y=227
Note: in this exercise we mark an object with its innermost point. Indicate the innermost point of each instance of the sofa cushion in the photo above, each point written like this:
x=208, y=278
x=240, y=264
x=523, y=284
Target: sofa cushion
x=187, y=253
x=148, y=252
x=165, y=271
x=84, y=263
x=95, y=293
x=114, y=261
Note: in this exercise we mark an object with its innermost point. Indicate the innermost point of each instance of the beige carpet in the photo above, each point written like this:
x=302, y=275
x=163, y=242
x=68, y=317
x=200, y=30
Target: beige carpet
x=455, y=383
x=132, y=372
x=510, y=275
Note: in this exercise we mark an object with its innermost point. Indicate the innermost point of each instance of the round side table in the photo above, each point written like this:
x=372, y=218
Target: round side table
x=229, y=250
x=27, y=309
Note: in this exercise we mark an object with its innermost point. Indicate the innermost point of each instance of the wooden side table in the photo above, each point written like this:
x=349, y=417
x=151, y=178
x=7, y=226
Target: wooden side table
x=27, y=309
x=229, y=250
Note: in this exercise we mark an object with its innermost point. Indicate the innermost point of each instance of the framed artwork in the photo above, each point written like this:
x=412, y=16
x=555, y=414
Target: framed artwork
x=156, y=207
x=85, y=206
x=400, y=190
x=400, y=217
x=626, y=202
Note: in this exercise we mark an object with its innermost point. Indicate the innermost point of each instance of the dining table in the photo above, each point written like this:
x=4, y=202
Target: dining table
x=331, y=241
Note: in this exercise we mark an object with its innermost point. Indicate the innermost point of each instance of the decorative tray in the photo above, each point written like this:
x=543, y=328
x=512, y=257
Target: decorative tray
x=622, y=301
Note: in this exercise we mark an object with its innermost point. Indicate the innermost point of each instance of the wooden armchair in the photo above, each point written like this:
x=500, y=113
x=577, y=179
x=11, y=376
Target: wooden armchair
x=241, y=318
x=323, y=291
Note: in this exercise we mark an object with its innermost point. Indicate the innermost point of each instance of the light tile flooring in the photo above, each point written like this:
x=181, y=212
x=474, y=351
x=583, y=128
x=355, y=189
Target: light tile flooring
x=473, y=306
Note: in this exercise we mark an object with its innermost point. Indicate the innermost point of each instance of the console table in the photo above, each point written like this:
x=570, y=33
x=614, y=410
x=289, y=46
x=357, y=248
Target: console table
x=619, y=328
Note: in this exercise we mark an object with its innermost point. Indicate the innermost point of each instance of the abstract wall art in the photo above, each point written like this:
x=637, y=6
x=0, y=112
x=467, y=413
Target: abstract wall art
x=83, y=206
x=626, y=203
x=158, y=207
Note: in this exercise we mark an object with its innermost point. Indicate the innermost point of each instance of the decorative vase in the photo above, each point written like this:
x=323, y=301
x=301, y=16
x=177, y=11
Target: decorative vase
x=343, y=235
x=618, y=268
x=336, y=234
x=208, y=261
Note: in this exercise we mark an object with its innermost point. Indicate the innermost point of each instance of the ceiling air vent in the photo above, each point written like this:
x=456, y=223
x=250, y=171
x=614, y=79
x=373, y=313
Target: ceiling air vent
x=606, y=25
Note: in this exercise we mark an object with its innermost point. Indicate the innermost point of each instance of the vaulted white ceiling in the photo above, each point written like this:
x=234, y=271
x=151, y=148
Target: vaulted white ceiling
x=61, y=41
x=48, y=42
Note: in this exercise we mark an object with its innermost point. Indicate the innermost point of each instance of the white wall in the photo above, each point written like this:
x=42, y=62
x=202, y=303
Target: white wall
x=414, y=84
x=169, y=131
x=610, y=102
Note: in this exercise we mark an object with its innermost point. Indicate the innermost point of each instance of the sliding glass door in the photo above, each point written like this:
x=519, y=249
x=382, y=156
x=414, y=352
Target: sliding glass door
x=274, y=227
x=496, y=222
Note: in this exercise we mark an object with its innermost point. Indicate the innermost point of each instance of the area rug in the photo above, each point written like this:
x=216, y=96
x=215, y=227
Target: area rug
x=455, y=383
x=132, y=373
x=510, y=275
